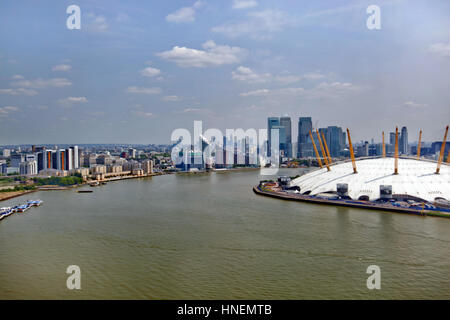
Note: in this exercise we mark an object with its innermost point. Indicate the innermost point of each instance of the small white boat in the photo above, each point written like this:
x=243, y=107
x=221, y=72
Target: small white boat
x=34, y=203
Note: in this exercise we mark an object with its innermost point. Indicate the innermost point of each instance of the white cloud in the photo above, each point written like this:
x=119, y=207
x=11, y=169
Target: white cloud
x=62, y=67
x=19, y=91
x=314, y=76
x=144, y=114
x=95, y=23
x=244, y=4
x=442, y=49
x=143, y=90
x=8, y=109
x=17, y=77
x=71, y=100
x=321, y=91
x=172, y=98
x=332, y=90
x=185, y=14
x=77, y=99
x=150, y=72
x=212, y=55
x=259, y=92
x=188, y=110
x=259, y=25
x=42, y=83
x=247, y=75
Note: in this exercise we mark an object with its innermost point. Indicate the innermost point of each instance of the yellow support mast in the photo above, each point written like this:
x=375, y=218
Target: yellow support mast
x=352, y=155
x=315, y=150
x=419, y=145
x=384, y=146
x=326, y=148
x=441, y=154
x=396, y=151
x=448, y=157
x=323, y=150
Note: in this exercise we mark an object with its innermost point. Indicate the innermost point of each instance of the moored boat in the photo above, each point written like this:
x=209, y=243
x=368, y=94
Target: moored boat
x=7, y=211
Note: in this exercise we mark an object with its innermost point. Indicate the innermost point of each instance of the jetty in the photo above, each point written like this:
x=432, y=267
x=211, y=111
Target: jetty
x=7, y=211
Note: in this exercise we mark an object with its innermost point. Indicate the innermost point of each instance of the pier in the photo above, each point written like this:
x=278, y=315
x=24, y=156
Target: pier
x=7, y=211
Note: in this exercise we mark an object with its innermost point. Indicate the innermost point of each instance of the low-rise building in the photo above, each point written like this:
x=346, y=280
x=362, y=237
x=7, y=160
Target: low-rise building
x=115, y=169
x=84, y=172
x=137, y=172
x=98, y=169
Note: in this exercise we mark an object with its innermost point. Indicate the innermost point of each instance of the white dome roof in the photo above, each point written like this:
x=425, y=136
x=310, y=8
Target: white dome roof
x=415, y=178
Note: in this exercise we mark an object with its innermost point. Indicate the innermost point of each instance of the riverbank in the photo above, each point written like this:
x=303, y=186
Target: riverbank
x=347, y=203
x=13, y=194
x=218, y=170
x=118, y=178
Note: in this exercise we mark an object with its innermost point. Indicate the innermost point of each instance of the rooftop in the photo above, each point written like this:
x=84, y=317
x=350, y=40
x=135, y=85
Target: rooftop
x=416, y=178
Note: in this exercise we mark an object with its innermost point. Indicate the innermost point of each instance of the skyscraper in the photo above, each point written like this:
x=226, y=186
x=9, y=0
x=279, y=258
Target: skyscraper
x=282, y=140
x=271, y=123
x=286, y=123
x=304, y=142
x=59, y=159
x=69, y=159
x=335, y=138
x=76, y=157
x=392, y=138
x=16, y=159
x=404, y=148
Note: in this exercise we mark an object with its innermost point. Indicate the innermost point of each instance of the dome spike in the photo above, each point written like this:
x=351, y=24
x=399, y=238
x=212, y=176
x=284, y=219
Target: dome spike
x=351, y=151
x=315, y=150
x=441, y=154
x=396, y=151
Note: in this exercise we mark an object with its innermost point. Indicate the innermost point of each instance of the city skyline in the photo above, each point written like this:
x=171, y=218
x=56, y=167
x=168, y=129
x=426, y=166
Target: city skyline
x=133, y=76
x=295, y=140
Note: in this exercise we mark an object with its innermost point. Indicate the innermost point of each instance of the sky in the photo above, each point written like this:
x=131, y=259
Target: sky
x=137, y=70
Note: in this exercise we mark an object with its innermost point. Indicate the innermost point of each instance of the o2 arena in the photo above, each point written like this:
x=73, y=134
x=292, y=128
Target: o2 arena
x=400, y=184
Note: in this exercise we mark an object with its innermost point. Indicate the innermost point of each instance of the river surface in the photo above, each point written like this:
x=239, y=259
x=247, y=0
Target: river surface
x=208, y=236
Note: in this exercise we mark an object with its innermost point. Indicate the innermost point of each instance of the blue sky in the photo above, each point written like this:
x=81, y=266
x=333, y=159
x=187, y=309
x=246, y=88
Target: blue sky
x=137, y=70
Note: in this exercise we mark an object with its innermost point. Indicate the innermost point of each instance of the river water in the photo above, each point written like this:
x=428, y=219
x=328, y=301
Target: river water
x=208, y=236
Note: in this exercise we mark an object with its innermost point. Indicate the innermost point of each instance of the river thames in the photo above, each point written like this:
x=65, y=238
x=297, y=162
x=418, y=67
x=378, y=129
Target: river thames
x=208, y=236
